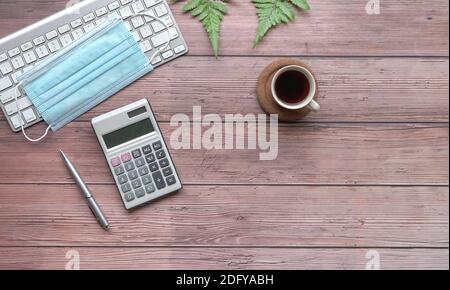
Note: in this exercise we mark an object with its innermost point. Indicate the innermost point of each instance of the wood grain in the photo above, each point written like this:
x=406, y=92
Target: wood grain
x=351, y=90
x=308, y=154
x=246, y=216
x=405, y=27
x=221, y=258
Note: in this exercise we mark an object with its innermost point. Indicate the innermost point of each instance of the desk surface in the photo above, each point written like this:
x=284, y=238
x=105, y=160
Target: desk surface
x=370, y=171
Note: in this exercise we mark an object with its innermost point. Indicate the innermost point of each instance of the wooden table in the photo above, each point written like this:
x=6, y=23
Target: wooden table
x=369, y=172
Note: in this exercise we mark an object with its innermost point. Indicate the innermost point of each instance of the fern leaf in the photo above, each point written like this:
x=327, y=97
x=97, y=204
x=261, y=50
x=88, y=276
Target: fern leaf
x=210, y=13
x=275, y=12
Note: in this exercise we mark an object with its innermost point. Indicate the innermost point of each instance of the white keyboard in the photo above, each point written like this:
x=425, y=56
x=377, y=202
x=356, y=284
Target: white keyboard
x=20, y=51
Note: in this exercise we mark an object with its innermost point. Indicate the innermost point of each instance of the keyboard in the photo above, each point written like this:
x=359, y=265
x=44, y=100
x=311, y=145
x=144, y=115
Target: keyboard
x=20, y=51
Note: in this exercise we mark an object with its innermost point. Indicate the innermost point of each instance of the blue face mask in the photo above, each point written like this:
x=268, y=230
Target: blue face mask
x=84, y=74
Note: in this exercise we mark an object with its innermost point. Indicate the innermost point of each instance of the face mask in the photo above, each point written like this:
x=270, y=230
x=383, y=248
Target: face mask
x=84, y=74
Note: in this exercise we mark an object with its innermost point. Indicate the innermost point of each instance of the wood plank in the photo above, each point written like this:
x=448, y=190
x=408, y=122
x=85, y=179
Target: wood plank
x=361, y=89
x=331, y=28
x=308, y=154
x=221, y=258
x=303, y=216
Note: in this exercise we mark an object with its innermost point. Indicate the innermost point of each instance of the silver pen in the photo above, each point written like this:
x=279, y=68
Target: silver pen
x=87, y=194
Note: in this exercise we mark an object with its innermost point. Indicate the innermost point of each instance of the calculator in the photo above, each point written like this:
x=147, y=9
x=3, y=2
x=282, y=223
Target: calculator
x=136, y=153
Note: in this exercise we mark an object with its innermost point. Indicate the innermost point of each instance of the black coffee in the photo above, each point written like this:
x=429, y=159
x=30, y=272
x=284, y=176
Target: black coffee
x=292, y=87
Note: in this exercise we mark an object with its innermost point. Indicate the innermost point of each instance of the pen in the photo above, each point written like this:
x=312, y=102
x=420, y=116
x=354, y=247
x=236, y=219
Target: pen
x=95, y=209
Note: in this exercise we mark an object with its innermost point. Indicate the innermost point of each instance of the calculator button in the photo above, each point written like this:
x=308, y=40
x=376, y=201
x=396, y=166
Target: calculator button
x=159, y=180
x=133, y=175
x=153, y=167
x=143, y=171
x=119, y=170
x=129, y=197
x=126, y=187
x=147, y=149
x=150, y=158
x=164, y=163
x=171, y=180
x=147, y=179
x=126, y=157
x=136, y=184
x=129, y=166
x=150, y=188
x=122, y=179
x=140, y=162
x=115, y=161
x=140, y=192
x=157, y=145
x=136, y=153
x=167, y=171
x=160, y=154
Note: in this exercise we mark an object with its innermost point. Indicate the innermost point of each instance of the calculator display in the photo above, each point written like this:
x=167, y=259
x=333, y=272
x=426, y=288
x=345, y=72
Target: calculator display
x=128, y=133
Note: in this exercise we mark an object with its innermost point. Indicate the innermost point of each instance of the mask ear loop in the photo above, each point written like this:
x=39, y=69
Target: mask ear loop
x=163, y=48
x=16, y=95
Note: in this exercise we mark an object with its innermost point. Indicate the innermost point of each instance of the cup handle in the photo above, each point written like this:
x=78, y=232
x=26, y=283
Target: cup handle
x=313, y=105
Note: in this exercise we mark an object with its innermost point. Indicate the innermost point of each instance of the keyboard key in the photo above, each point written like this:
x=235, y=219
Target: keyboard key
x=63, y=29
x=129, y=166
x=167, y=20
x=143, y=170
x=179, y=49
x=145, y=45
x=150, y=15
x=150, y=3
x=9, y=95
x=100, y=20
x=5, y=83
x=136, y=36
x=146, y=31
x=119, y=170
x=146, y=179
x=136, y=153
x=77, y=33
x=76, y=23
x=122, y=179
x=160, y=39
x=160, y=154
x=173, y=33
x=3, y=57
x=167, y=54
x=161, y=10
x=89, y=17
x=164, y=163
x=114, y=5
x=5, y=68
x=125, y=157
x=140, y=192
x=146, y=149
x=29, y=115
x=125, y=12
x=42, y=51
x=150, y=188
x=156, y=60
x=124, y=2
x=157, y=26
x=39, y=40
x=140, y=162
x=16, y=120
x=18, y=62
x=89, y=27
x=29, y=56
x=167, y=171
x=26, y=46
x=13, y=52
x=171, y=180
x=136, y=184
x=129, y=196
x=153, y=167
x=137, y=21
x=115, y=161
x=133, y=175
x=128, y=25
x=66, y=40
x=102, y=11
x=54, y=45
x=51, y=35
x=150, y=158
x=157, y=145
x=159, y=180
x=15, y=75
x=138, y=6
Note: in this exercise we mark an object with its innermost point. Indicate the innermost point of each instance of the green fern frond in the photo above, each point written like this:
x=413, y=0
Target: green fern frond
x=210, y=13
x=275, y=12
